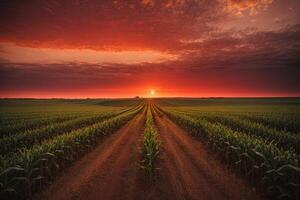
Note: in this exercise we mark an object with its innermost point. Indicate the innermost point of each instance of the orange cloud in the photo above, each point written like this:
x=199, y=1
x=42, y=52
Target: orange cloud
x=148, y=2
x=237, y=7
x=14, y=53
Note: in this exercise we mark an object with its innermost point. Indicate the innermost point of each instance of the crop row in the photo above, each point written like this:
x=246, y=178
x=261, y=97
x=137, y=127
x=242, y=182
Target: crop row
x=7, y=118
x=150, y=145
x=287, y=122
x=15, y=125
x=26, y=171
x=281, y=139
x=28, y=138
x=21, y=126
x=282, y=122
x=274, y=169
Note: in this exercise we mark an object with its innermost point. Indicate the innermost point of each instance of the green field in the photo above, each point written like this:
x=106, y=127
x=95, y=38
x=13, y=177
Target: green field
x=258, y=138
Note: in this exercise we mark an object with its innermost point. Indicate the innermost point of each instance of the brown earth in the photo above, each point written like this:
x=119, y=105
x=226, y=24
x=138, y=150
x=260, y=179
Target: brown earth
x=187, y=169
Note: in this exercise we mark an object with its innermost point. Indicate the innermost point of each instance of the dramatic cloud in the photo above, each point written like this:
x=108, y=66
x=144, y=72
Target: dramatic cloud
x=13, y=53
x=241, y=49
x=104, y=24
x=252, y=6
x=116, y=48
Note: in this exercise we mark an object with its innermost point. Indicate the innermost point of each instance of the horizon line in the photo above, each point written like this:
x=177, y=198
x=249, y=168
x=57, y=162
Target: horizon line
x=140, y=97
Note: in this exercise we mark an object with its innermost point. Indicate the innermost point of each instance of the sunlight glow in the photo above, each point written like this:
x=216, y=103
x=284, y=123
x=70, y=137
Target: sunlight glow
x=152, y=92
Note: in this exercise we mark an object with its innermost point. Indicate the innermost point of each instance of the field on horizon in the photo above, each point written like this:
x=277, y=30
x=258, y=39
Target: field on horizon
x=159, y=148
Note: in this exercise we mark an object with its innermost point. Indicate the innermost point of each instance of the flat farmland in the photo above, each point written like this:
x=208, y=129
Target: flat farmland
x=160, y=148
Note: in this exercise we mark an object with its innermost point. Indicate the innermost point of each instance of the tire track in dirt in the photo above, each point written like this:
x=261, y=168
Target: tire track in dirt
x=108, y=172
x=191, y=171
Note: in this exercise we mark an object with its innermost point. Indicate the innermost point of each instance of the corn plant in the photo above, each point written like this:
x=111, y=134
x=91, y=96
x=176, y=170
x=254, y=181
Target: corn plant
x=28, y=138
x=150, y=146
x=283, y=122
x=282, y=139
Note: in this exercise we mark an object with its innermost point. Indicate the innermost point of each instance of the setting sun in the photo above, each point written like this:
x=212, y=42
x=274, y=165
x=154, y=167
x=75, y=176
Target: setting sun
x=152, y=92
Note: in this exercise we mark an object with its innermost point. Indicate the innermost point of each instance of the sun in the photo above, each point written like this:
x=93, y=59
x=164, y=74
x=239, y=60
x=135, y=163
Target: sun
x=152, y=92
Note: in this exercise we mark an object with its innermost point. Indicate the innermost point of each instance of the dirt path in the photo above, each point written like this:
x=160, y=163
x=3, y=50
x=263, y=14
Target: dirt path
x=108, y=172
x=190, y=171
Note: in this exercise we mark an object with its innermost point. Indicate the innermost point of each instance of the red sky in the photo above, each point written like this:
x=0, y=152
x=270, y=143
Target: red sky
x=199, y=48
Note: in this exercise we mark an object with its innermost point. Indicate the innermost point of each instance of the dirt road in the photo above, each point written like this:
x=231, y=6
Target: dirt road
x=190, y=171
x=108, y=172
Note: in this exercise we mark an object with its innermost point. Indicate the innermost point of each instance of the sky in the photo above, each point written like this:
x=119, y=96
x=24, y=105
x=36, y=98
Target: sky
x=169, y=48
